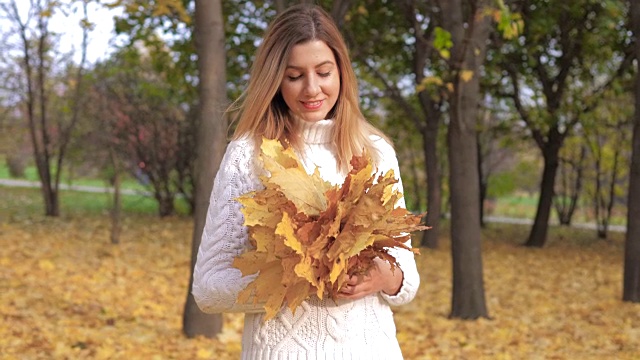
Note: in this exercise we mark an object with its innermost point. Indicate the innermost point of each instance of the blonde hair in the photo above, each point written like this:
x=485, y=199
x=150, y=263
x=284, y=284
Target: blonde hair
x=261, y=108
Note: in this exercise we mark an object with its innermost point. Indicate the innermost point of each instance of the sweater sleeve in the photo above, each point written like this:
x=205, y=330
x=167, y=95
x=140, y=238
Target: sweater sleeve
x=216, y=283
x=405, y=258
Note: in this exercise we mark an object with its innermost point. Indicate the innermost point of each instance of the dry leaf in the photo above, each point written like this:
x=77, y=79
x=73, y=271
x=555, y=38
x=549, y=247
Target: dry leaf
x=309, y=236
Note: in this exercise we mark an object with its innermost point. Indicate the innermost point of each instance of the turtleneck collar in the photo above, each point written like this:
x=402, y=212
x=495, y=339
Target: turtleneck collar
x=316, y=132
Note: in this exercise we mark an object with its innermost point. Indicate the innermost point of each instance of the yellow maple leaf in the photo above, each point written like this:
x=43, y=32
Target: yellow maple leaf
x=267, y=286
x=265, y=207
x=288, y=173
x=286, y=230
x=296, y=294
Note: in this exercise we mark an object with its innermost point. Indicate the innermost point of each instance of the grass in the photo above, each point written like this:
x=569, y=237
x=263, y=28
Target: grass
x=31, y=174
x=524, y=206
x=21, y=203
x=516, y=206
x=74, y=203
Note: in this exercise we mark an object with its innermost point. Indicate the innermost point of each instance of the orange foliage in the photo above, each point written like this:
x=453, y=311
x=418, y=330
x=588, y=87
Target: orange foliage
x=66, y=293
x=308, y=236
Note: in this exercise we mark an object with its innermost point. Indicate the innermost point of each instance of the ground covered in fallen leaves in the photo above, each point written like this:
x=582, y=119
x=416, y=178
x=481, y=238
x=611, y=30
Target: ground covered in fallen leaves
x=66, y=293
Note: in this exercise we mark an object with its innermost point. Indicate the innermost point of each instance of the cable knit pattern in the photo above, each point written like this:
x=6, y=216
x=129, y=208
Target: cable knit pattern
x=319, y=329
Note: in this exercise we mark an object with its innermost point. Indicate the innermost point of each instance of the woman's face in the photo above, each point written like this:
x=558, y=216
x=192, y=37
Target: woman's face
x=311, y=82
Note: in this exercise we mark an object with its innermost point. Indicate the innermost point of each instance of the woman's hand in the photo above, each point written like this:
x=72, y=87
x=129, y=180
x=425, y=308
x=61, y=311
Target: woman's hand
x=379, y=278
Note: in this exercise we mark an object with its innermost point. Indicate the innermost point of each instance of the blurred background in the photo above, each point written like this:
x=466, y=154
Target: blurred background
x=513, y=121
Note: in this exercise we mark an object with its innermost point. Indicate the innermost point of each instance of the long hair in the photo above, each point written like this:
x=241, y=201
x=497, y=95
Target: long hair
x=262, y=109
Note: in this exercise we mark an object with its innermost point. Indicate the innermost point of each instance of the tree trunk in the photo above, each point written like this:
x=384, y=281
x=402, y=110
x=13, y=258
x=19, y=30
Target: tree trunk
x=34, y=77
x=211, y=142
x=482, y=182
x=571, y=173
x=166, y=206
x=605, y=192
x=117, y=204
x=631, y=285
x=51, y=203
x=50, y=191
x=538, y=234
x=416, y=186
x=468, y=300
x=469, y=38
x=434, y=189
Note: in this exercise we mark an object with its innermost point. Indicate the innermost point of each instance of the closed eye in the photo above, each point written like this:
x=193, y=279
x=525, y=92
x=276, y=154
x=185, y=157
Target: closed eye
x=327, y=74
x=294, y=78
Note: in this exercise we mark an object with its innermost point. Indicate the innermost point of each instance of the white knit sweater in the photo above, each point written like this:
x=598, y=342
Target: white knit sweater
x=320, y=329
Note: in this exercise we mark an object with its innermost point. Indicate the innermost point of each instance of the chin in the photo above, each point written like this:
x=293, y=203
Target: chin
x=312, y=117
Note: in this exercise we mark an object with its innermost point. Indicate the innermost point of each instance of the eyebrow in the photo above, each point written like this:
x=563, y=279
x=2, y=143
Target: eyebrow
x=317, y=66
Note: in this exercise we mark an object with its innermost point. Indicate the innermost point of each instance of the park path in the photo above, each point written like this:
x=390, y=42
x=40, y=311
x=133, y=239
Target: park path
x=508, y=220
x=97, y=189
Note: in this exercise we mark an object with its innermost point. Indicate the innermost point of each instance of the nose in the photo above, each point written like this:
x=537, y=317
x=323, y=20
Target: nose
x=312, y=86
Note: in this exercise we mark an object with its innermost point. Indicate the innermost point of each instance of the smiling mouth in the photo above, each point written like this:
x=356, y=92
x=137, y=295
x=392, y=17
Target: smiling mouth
x=312, y=105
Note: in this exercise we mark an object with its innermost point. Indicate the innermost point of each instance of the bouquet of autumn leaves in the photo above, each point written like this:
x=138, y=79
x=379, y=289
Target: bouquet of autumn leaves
x=309, y=235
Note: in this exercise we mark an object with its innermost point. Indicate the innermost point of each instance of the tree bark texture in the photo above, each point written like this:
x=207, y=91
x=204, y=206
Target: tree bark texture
x=482, y=181
x=50, y=193
x=538, y=234
x=34, y=54
x=115, y=213
x=571, y=176
x=469, y=34
x=434, y=188
x=631, y=279
x=211, y=142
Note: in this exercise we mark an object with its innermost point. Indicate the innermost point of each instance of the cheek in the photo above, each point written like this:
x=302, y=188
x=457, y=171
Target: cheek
x=336, y=86
x=288, y=93
x=335, y=89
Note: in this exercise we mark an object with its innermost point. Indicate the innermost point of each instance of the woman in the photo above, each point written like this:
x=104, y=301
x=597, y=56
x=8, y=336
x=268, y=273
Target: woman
x=302, y=91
